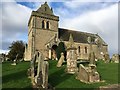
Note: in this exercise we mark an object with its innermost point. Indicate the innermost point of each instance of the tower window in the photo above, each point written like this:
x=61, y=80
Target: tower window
x=85, y=49
x=48, y=26
x=43, y=24
x=45, y=9
x=79, y=49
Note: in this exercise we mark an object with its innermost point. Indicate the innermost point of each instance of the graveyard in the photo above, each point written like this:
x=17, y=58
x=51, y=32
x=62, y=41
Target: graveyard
x=58, y=58
x=16, y=76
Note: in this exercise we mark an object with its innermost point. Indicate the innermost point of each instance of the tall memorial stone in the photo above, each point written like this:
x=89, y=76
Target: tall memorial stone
x=45, y=68
x=59, y=64
x=39, y=75
x=89, y=74
x=91, y=54
x=71, y=57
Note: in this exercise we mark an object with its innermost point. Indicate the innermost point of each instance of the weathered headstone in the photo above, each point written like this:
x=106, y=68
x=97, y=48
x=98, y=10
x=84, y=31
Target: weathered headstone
x=92, y=58
x=39, y=75
x=88, y=74
x=59, y=64
x=71, y=57
x=106, y=58
x=94, y=75
x=91, y=54
x=45, y=69
x=15, y=60
x=32, y=69
x=116, y=58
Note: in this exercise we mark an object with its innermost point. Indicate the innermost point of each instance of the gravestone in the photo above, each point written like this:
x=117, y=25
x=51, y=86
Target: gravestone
x=88, y=74
x=45, y=69
x=106, y=58
x=91, y=54
x=32, y=68
x=116, y=58
x=92, y=58
x=71, y=57
x=39, y=75
x=59, y=64
x=94, y=75
x=15, y=60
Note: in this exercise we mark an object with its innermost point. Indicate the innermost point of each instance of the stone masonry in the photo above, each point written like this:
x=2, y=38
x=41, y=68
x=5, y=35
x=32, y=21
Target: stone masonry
x=44, y=33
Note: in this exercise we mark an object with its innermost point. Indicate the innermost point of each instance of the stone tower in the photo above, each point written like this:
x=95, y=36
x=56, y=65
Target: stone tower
x=42, y=26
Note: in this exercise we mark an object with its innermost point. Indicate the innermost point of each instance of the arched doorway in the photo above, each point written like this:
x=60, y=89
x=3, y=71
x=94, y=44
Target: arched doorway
x=53, y=53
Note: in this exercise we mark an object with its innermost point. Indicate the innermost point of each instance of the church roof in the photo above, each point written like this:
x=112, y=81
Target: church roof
x=78, y=36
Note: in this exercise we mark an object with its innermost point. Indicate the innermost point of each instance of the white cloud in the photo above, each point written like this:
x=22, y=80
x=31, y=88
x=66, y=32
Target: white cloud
x=14, y=22
x=61, y=0
x=77, y=3
x=4, y=51
x=104, y=22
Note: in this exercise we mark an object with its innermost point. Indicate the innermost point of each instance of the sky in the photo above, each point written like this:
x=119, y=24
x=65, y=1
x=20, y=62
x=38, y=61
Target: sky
x=98, y=16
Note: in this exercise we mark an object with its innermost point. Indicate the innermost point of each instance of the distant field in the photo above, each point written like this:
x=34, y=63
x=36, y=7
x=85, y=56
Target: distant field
x=16, y=76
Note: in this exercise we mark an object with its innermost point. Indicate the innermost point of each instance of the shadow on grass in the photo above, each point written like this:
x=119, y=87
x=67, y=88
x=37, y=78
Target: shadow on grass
x=58, y=77
x=18, y=89
x=14, y=76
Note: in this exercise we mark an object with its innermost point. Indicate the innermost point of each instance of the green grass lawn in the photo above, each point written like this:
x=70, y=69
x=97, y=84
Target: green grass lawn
x=16, y=76
x=59, y=79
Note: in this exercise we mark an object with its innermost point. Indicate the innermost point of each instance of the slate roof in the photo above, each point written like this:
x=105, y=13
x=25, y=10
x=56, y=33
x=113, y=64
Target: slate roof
x=80, y=37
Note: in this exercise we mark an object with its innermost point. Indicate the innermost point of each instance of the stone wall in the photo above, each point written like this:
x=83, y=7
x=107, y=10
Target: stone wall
x=83, y=55
x=38, y=36
x=53, y=24
x=42, y=36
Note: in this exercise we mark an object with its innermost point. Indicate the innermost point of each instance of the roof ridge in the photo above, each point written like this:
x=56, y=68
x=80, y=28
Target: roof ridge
x=77, y=31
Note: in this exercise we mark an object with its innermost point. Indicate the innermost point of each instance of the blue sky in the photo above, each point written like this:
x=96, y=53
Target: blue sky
x=94, y=17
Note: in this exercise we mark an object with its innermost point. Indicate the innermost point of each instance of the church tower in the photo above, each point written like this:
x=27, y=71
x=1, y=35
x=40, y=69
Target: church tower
x=42, y=26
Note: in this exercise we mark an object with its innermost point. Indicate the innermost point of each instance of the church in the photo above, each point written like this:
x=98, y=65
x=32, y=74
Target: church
x=44, y=35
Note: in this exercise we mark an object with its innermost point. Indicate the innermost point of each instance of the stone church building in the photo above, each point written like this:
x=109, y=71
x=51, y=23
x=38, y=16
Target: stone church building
x=44, y=35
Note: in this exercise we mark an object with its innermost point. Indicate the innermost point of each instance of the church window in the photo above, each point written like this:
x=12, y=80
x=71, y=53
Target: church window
x=79, y=49
x=85, y=49
x=43, y=24
x=45, y=9
x=48, y=25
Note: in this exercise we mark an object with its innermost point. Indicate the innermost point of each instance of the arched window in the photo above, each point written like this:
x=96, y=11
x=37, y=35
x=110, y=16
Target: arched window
x=43, y=24
x=79, y=49
x=85, y=49
x=45, y=9
x=48, y=25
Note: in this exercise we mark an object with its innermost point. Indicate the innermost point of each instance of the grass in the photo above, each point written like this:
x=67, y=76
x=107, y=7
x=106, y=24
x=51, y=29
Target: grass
x=16, y=76
x=59, y=79
x=109, y=72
